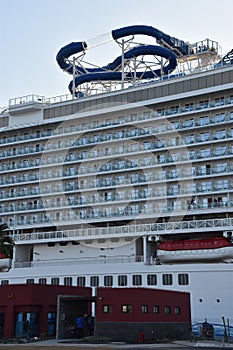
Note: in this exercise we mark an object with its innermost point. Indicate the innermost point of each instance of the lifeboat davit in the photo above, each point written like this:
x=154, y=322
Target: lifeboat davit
x=196, y=250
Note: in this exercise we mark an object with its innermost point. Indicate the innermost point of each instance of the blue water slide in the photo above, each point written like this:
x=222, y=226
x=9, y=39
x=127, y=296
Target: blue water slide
x=65, y=52
x=107, y=73
x=112, y=71
x=161, y=37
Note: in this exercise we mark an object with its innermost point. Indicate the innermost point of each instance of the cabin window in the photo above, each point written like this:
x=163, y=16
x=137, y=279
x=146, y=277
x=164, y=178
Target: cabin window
x=151, y=280
x=4, y=282
x=55, y=281
x=30, y=281
x=167, y=310
x=94, y=281
x=183, y=279
x=167, y=279
x=108, y=281
x=68, y=281
x=144, y=309
x=177, y=310
x=42, y=281
x=81, y=281
x=127, y=308
x=107, y=309
x=122, y=280
x=137, y=280
x=156, y=309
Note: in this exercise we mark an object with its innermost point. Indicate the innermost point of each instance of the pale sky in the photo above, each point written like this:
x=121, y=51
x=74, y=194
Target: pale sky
x=33, y=31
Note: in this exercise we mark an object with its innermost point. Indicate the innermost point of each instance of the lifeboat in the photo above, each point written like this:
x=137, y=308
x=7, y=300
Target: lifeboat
x=196, y=250
x=5, y=263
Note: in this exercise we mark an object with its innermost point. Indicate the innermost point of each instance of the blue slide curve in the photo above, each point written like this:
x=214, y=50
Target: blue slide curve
x=112, y=71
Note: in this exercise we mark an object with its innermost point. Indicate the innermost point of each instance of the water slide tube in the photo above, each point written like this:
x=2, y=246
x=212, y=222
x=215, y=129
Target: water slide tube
x=112, y=71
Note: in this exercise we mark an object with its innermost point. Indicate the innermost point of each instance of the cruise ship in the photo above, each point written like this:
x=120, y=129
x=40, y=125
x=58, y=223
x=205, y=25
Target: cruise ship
x=127, y=180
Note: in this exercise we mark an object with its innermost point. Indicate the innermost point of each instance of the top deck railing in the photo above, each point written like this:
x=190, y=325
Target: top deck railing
x=37, y=99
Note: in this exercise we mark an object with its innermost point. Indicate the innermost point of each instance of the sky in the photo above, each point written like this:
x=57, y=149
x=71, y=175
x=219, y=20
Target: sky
x=32, y=32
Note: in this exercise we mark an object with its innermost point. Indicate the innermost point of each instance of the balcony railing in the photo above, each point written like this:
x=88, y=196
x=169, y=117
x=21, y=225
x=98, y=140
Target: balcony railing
x=193, y=226
x=103, y=259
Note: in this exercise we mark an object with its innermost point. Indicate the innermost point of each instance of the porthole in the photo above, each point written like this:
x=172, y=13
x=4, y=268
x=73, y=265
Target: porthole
x=90, y=241
x=128, y=239
x=101, y=240
x=114, y=239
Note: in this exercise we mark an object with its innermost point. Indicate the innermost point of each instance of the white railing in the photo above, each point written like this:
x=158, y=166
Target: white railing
x=68, y=97
x=26, y=99
x=225, y=224
x=103, y=259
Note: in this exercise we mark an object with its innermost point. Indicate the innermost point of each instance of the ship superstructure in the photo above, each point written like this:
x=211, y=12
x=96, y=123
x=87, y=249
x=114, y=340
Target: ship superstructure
x=92, y=184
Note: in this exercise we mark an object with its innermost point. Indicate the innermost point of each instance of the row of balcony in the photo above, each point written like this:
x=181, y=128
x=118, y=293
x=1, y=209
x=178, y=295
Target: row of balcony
x=179, y=172
x=125, y=120
x=215, y=151
x=112, y=199
x=124, y=181
x=148, y=145
x=143, y=205
x=137, y=132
